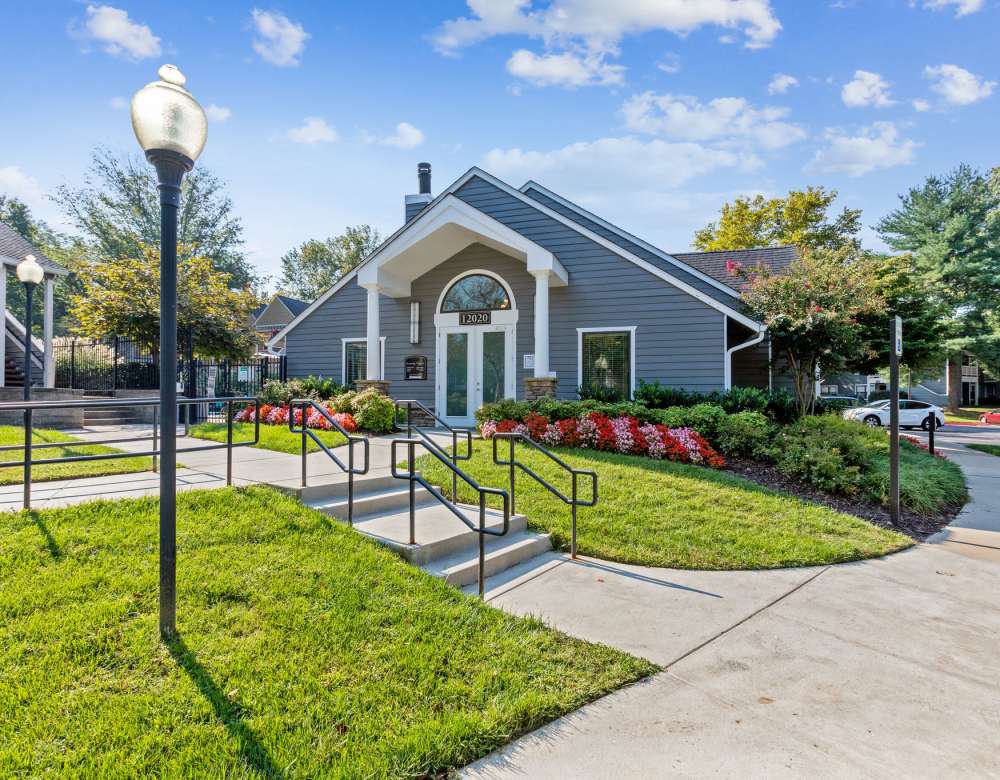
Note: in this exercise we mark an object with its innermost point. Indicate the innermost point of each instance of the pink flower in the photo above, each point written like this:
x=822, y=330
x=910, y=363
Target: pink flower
x=624, y=442
x=586, y=428
x=488, y=429
x=654, y=441
x=552, y=436
x=733, y=268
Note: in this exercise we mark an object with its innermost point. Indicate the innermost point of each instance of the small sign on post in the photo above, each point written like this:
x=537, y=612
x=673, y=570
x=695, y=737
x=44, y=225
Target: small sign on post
x=898, y=340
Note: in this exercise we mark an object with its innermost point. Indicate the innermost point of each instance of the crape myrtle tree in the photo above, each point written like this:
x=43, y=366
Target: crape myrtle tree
x=117, y=211
x=951, y=225
x=315, y=266
x=800, y=219
x=121, y=296
x=813, y=311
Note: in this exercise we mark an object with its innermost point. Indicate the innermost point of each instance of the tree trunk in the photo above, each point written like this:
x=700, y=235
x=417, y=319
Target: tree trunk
x=954, y=382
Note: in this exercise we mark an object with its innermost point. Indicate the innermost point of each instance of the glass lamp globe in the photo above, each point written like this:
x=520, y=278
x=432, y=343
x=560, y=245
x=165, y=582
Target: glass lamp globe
x=29, y=271
x=165, y=116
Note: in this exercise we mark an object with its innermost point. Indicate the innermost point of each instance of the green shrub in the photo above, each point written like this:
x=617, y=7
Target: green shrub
x=373, y=411
x=829, y=453
x=745, y=433
x=344, y=403
x=779, y=405
x=321, y=389
x=707, y=419
x=742, y=399
x=656, y=396
x=814, y=462
x=604, y=395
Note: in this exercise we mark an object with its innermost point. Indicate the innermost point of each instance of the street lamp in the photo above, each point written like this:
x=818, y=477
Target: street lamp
x=171, y=128
x=30, y=274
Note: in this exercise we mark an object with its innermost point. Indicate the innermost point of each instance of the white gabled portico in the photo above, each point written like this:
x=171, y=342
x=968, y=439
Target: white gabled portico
x=445, y=228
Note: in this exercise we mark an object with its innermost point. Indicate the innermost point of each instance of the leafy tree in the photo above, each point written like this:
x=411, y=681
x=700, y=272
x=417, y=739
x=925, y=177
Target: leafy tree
x=951, y=225
x=121, y=296
x=315, y=266
x=812, y=310
x=801, y=219
x=118, y=211
x=69, y=252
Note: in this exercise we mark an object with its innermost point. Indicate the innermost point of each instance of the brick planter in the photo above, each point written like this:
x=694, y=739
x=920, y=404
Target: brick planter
x=539, y=387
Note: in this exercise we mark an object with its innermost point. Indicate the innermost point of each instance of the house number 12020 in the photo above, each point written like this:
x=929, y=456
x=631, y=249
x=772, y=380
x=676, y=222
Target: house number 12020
x=474, y=318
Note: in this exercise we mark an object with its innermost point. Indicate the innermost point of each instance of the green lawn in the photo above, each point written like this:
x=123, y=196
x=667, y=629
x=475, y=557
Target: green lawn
x=966, y=414
x=659, y=513
x=14, y=434
x=989, y=449
x=305, y=650
x=272, y=437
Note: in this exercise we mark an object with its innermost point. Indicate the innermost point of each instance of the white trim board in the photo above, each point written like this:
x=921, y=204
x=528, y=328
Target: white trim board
x=630, y=329
x=343, y=356
x=531, y=184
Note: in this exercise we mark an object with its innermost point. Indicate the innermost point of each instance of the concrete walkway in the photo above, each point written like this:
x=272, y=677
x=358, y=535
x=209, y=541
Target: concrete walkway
x=884, y=668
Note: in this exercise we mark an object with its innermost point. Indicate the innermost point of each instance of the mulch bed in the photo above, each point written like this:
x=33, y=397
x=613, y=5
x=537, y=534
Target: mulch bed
x=913, y=525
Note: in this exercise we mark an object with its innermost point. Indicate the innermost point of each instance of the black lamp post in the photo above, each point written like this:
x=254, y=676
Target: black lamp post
x=30, y=274
x=171, y=128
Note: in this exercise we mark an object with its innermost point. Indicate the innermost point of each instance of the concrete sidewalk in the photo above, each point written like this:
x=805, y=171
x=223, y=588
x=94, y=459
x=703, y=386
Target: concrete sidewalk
x=883, y=668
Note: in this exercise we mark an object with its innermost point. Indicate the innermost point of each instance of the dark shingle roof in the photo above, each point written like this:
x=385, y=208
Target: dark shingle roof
x=13, y=248
x=714, y=263
x=294, y=305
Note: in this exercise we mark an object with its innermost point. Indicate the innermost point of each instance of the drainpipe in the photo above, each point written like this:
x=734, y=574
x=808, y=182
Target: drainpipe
x=729, y=357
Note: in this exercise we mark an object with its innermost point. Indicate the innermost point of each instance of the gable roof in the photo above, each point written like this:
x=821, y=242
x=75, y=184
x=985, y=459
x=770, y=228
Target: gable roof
x=294, y=305
x=656, y=269
x=714, y=263
x=13, y=248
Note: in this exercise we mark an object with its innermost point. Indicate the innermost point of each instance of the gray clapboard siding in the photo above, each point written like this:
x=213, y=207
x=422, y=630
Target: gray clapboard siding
x=314, y=347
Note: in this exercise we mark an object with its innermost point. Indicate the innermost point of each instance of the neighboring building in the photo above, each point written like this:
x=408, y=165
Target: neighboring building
x=978, y=387
x=13, y=248
x=271, y=318
x=488, y=291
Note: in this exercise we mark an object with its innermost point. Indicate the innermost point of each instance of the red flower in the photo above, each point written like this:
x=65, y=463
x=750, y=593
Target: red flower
x=568, y=433
x=506, y=426
x=536, y=424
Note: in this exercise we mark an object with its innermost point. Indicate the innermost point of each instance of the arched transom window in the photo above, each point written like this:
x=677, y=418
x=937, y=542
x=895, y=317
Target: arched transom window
x=476, y=292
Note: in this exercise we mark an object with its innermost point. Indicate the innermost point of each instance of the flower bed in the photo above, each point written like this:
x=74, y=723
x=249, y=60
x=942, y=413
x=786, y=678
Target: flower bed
x=624, y=434
x=278, y=414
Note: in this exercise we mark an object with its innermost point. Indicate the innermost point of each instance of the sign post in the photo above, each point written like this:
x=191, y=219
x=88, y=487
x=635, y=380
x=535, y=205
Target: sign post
x=896, y=342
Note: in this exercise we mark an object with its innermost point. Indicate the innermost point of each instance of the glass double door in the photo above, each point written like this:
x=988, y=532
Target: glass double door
x=476, y=367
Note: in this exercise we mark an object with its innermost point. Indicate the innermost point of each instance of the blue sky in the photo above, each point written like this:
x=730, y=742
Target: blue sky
x=651, y=114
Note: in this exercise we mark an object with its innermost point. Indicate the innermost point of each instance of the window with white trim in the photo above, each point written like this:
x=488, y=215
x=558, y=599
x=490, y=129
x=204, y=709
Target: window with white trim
x=606, y=362
x=355, y=360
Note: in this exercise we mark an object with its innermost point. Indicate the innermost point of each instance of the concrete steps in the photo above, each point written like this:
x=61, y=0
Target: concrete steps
x=445, y=546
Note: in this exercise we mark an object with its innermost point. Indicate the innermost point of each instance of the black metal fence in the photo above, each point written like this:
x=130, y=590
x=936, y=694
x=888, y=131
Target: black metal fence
x=103, y=366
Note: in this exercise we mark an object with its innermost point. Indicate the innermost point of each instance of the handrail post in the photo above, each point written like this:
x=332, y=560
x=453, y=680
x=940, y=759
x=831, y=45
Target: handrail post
x=350, y=483
x=409, y=419
x=410, y=455
x=513, y=474
x=482, y=545
x=156, y=434
x=229, y=443
x=572, y=546
x=454, y=462
x=302, y=423
x=27, y=455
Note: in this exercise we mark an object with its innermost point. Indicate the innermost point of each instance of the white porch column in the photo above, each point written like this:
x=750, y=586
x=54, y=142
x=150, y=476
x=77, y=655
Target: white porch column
x=3, y=335
x=374, y=357
x=541, y=324
x=49, y=358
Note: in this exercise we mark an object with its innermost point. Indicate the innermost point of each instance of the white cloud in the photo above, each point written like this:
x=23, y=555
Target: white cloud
x=874, y=147
x=406, y=137
x=16, y=183
x=866, y=89
x=671, y=63
x=781, y=83
x=584, y=32
x=279, y=40
x=217, y=113
x=564, y=70
x=962, y=7
x=921, y=105
x=615, y=164
x=118, y=103
x=957, y=85
x=314, y=130
x=685, y=118
x=119, y=34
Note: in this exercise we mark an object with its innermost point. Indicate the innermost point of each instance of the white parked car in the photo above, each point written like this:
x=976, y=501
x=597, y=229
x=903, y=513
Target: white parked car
x=912, y=414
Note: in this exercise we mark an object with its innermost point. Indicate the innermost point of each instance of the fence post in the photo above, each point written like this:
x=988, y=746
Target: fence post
x=229, y=442
x=114, y=368
x=72, y=363
x=27, y=458
x=283, y=368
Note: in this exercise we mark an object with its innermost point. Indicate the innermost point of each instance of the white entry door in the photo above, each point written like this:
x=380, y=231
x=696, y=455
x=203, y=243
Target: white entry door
x=475, y=366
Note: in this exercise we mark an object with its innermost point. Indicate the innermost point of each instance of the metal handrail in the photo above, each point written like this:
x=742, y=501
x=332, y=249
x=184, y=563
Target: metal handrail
x=28, y=407
x=348, y=467
x=416, y=477
x=455, y=432
x=514, y=464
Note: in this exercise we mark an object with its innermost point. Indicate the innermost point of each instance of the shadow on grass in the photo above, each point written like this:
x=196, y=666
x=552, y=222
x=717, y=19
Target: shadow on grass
x=230, y=713
x=50, y=541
